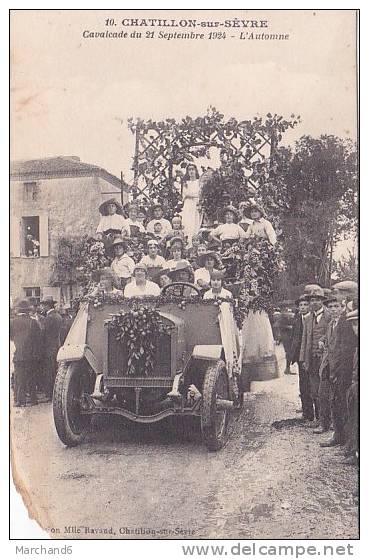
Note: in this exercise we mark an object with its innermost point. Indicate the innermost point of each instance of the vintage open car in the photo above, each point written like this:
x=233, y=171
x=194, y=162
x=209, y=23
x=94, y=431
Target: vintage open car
x=195, y=365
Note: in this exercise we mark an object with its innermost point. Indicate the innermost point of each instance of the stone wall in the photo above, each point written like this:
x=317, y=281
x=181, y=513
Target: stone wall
x=72, y=208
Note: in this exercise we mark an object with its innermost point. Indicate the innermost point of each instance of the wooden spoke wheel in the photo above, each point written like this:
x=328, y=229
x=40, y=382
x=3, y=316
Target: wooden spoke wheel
x=73, y=381
x=214, y=421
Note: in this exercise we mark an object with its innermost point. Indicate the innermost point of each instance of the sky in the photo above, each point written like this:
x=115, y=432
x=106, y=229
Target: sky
x=73, y=96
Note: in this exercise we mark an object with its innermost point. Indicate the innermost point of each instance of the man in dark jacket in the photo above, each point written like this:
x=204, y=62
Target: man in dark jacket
x=352, y=443
x=26, y=335
x=311, y=353
x=344, y=343
x=294, y=357
x=52, y=342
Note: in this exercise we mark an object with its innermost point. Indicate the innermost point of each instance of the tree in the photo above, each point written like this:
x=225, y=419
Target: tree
x=347, y=267
x=311, y=194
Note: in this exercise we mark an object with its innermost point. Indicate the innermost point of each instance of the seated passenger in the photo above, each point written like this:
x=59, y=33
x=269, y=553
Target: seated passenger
x=153, y=261
x=229, y=230
x=158, y=216
x=111, y=221
x=182, y=273
x=107, y=284
x=133, y=222
x=163, y=278
x=217, y=289
x=260, y=227
x=140, y=286
x=207, y=263
x=122, y=265
x=176, y=252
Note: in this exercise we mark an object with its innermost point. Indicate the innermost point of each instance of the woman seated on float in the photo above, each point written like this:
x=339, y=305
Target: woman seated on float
x=153, y=261
x=141, y=286
x=260, y=227
x=122, y=265
x=111, y=221
x=229, y=230
x=107, y=285
x=182, y=273
x=217, y=290
x=133, y=223
x=176, y=252
x=207, y=262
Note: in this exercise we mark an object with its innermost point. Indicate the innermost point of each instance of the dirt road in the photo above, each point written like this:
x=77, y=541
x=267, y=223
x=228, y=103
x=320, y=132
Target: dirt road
x=149, y=482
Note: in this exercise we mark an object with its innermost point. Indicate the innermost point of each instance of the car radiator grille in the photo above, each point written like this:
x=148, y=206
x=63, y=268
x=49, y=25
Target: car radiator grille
x=117, y=366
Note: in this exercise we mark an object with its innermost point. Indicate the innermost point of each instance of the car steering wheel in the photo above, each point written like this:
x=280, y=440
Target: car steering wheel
x=180, y=286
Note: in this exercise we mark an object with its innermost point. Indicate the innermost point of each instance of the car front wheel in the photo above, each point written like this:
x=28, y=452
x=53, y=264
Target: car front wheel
x=214, y=421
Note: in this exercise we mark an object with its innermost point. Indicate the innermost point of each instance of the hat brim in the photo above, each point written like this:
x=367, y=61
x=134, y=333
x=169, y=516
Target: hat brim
x=233, y=211
x=313, y=296
x=103, y=206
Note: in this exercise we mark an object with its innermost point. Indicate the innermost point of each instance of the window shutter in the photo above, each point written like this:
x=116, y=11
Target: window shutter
x=15, y=232
x=44, y=235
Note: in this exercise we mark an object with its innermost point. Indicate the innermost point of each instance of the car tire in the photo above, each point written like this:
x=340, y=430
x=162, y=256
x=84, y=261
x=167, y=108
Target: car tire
x=72, y=381
x=214, y=422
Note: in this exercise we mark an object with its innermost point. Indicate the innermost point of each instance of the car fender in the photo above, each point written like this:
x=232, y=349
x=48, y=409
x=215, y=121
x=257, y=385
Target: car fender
x=208, y=352
x=71, y=352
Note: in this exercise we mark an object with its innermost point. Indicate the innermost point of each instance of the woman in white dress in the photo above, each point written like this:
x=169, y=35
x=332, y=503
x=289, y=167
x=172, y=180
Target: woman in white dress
x=258, y=347
x=191, y=216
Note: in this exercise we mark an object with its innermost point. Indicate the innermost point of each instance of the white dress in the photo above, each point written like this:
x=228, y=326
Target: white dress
x=257, y=338
x=191, y=216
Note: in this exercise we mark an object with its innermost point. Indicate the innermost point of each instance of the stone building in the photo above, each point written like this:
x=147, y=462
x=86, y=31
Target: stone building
x=51, y=198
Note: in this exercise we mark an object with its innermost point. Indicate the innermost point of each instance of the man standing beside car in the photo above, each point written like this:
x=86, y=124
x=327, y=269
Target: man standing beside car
x=52, y=341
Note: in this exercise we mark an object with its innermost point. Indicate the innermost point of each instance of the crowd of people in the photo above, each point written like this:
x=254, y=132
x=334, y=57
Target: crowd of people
x=182, y=253
x=323, y=343
x=37, y=331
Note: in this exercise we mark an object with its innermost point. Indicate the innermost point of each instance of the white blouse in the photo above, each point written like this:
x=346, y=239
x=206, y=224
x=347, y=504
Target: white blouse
x=229, y=231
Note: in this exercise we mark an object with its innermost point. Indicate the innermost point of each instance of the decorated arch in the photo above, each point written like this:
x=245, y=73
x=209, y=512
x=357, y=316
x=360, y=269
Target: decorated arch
x=244, y=150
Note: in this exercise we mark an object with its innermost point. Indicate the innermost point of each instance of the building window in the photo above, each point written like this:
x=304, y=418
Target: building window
x=34, y=292
x=31, y=236
x=30, y=191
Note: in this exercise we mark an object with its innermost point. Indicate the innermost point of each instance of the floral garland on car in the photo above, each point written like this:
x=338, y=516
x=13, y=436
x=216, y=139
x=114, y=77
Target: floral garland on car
x=256, y=264
x=138, y=330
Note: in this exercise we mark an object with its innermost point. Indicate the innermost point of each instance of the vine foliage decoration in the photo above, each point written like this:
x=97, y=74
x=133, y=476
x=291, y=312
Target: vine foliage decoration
x=139, y=330
x=256, y=264
x=164, y=149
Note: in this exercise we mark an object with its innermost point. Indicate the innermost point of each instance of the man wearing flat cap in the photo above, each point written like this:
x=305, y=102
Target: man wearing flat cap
x=311, y=353
x=344, y=343
x=303, y=306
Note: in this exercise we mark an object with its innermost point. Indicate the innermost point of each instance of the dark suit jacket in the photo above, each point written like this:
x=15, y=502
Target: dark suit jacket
x=344, y=344
x=52, y=333
x=296, y=338
x=306, y=353
x=26, y=335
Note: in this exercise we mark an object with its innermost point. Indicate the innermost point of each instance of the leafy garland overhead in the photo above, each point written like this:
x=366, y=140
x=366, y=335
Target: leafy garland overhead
x=164, y=149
